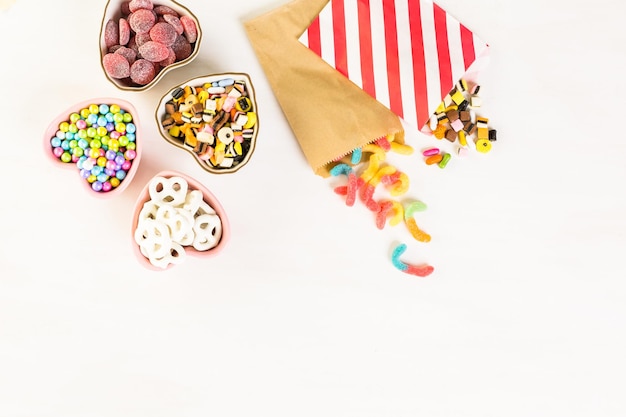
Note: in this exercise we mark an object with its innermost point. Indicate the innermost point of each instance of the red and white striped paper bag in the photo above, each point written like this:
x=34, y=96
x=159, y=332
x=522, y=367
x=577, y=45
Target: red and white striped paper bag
x=407, y=54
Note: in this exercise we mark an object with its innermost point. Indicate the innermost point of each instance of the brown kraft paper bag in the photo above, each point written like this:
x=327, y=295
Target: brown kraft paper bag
x=329, y=114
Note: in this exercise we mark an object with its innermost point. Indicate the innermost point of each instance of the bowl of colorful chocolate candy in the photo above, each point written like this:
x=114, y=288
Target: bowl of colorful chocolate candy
x=176, y=216
x=100, y=140
x=214, y=118
x=141, y=40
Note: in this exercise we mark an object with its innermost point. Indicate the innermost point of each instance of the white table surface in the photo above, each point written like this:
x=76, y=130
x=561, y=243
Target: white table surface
x=303, y=313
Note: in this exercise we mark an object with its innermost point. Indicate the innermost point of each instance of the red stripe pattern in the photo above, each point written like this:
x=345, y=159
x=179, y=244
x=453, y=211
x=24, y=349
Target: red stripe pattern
x=348, y=34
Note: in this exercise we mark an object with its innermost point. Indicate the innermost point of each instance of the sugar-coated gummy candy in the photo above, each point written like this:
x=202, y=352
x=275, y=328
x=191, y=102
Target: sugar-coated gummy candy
x=116, y=65
x=142, y=20
x=142, y=72
x=417, y=270
x=124, y=31
x=142, y=38
x=111, y=33
x=125, y=7
x=162, y=10
x=154, y=51
x=171, y=58
x=182, y=48
x=135, y=5
x=190, y=29
x=127, y=53
x=175, y=22
x=163, y=33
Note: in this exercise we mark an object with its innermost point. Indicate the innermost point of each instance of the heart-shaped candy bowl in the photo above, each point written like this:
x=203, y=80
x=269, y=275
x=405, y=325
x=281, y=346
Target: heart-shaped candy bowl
x=176, y=216
x=214, y=118
x=100, y=140
x=142, y=40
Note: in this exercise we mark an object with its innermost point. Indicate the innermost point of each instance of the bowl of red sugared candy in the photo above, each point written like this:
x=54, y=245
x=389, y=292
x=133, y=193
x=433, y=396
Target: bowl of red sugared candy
x=100, y=140
x=176, y=216
x=141, y=40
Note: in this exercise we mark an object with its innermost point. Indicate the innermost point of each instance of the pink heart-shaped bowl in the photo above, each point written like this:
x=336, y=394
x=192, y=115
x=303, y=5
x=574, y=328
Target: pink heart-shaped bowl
x=73, y=134
x=174, y=42
x=146, y=207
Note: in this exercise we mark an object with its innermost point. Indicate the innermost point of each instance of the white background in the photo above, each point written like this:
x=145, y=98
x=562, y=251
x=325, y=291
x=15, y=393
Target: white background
x=303, y=313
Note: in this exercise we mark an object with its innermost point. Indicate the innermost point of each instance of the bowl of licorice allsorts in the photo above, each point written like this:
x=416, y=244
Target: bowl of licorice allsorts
x=100, y=140
x=142, y=40
x=175, y=216
x=214, y=118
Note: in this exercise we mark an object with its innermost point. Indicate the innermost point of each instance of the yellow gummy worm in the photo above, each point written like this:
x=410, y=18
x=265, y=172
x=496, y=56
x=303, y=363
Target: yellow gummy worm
x=371, y=169
x=386, y=170
x=401, y=186
x=398, y=213
x=401, y=148
x=376, y=150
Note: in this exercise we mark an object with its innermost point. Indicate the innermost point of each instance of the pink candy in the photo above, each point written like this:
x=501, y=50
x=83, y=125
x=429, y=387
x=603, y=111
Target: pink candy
x=154, y=51
x=135, y=5
x=153, y=34
x=124, y=31
x=190, y=30
x=142, y=21
x=142, y=72
x=116, y=66
x=163, y=33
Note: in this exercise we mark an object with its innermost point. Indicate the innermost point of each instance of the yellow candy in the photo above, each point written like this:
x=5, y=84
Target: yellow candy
x=237, y=148
x=251, y=120
x=401, y=187
x=372, y=169
x=190, y=138
x=462, y=138
x=458, y=97
x=483, y=145
x=401, y=149
x=386, y=170
x=440, y=131
x=398, y=213
x=203, y=96
x=243, y=104
x=375, y=149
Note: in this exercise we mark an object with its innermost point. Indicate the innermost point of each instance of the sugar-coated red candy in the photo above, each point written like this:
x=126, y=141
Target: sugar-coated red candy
x=135, y=5
x=124, y=31
x=163, y=33
x=111, y=33
x=142, y=72
x=132, y=44
x=127, y=53
x=163, y=10
x=125, y=8
x=142, y=38
x=191, y=31
x=171, y=58
x=182, y=48
x=142, y=20
x=114, y=48
x=116, y=66
x=154, y=51
x=175, y=22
